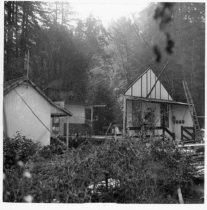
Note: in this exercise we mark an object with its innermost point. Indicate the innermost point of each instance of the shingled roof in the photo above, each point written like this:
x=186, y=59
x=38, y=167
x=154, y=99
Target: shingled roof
x=11, y=84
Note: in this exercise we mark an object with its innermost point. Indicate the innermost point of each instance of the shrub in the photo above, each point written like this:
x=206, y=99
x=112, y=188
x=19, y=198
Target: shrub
x=17, y=149
x=143, y=172
x=74, y=141
x=56, y=147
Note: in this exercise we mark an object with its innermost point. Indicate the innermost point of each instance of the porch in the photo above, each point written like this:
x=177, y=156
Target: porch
x=158, y=118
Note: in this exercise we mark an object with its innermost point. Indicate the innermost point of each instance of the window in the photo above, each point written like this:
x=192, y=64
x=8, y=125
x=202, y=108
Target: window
x=55, y=125
x=136, y=113
x=164, y=115
x=149, y=116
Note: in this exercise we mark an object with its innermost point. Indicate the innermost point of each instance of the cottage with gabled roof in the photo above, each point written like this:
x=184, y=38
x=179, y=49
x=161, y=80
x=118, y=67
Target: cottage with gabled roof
x=147, y=104
x=29, y=111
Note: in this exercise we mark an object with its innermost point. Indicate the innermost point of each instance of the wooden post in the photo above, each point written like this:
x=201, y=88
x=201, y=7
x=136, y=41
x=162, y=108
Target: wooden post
x=181, y=132
x=91, y=120
x=124, y=116
x=163, y=126
x=180, y=196
x=4, y=122
x=67, y=133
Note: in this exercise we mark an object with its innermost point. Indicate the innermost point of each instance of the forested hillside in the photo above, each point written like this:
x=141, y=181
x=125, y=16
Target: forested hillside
x=94, y=63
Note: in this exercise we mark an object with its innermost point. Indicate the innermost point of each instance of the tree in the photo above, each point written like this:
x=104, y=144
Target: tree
x=134, y=41
x=21, y=27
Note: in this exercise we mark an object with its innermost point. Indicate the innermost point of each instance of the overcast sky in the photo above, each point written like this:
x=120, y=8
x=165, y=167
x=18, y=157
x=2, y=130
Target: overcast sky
x=107, y=10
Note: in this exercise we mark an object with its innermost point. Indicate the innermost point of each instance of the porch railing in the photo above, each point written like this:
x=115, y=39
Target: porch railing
x=187, y=133
x=163, y=129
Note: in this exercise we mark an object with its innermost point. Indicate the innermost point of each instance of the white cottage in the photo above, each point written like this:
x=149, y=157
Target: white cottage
x=29, y=111
x=147, y=106
x=82, y=120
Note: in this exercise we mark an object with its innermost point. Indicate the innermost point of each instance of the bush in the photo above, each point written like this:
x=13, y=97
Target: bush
x=17, y=149
x=56, y=147
x=143, y=172
x=74, y=141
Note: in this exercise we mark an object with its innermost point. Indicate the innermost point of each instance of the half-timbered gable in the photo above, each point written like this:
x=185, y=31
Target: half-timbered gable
x=142, y=86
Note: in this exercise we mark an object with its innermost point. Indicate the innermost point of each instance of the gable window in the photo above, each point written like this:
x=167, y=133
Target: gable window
x=164, y=115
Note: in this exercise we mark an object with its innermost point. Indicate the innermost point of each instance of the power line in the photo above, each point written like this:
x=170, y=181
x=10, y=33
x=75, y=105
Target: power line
x=37, y=116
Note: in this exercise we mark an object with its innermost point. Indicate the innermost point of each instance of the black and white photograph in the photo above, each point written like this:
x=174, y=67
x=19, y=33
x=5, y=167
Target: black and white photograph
x=103, y=102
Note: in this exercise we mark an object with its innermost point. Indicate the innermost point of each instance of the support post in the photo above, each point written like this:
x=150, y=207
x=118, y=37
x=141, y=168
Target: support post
x=91, y=120
x=67, y=133
x=124, y=116
x=4, y=122
x=180, y=196
x=181, y=132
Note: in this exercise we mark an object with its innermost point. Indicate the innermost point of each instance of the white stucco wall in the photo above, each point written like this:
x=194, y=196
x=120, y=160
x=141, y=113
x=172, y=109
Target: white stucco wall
x=18, y=117
x=181, y=113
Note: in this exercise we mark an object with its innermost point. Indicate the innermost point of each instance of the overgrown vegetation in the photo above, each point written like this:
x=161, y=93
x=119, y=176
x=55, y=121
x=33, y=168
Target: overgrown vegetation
x=18, y=149
x=127, y=171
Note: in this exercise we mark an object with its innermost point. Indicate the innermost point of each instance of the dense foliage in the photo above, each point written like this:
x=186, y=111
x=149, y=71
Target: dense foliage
x=128, y=171
x=18, y=149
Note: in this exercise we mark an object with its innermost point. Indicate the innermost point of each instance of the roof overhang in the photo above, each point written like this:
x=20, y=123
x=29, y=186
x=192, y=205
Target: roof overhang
x=134, y=98
x=58, y=115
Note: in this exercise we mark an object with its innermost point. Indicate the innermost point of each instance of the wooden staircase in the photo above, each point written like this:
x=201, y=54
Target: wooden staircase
x=198, y=134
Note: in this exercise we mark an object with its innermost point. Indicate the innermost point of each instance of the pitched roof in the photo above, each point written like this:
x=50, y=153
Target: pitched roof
x=167, y=79
x=135, y=80
x=11, y=84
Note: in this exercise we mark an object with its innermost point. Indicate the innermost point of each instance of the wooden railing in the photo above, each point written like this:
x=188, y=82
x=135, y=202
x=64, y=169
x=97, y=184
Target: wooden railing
x=169, y=133
x=187, y=133
x=163, y=129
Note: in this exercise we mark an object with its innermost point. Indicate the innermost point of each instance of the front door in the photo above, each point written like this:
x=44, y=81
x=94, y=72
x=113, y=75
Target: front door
x=164, y=115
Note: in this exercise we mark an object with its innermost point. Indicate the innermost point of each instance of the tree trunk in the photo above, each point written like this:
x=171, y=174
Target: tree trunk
x=23, y=29
x=9, y=41
x=16, y=31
